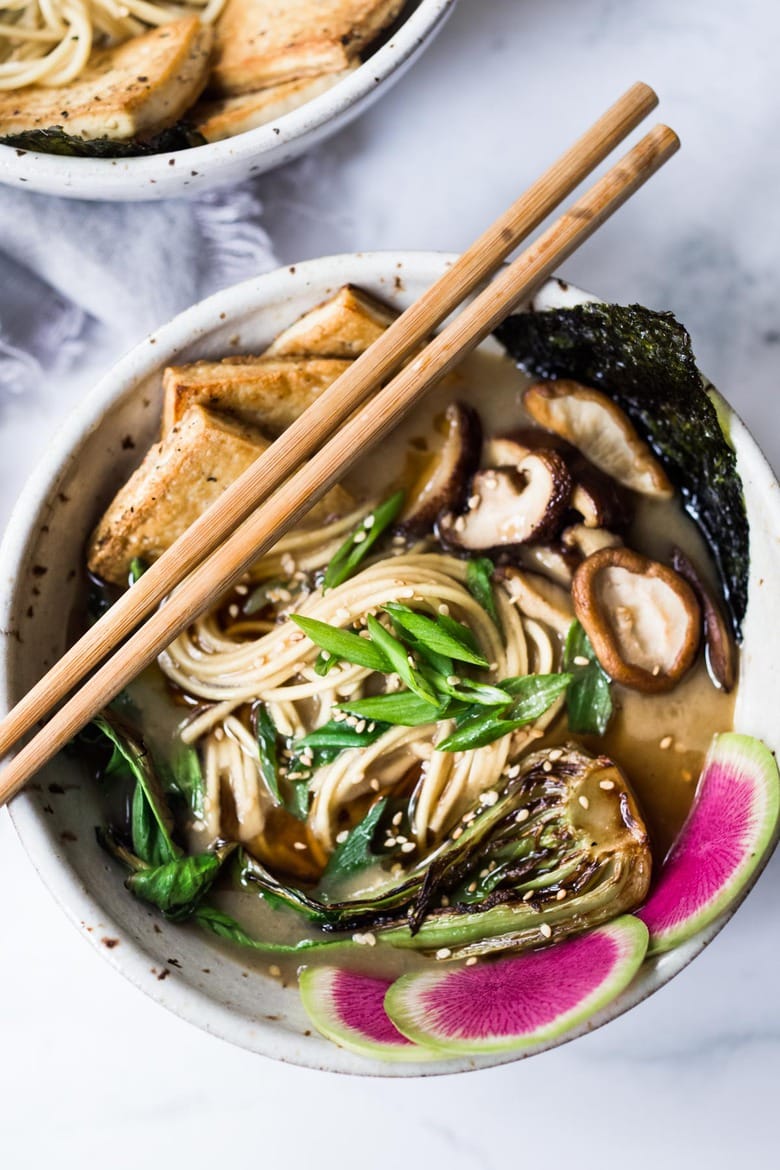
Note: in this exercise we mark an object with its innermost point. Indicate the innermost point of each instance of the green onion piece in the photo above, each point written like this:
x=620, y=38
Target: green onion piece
x=479, y=582
x=343, y=645
x=398, y=657
x=401, y=709
x=449, y=639
x=137, y=570
x=589, y=698
x=358, y=544
x=537, y=694
x=355, y=852
x=266, y=733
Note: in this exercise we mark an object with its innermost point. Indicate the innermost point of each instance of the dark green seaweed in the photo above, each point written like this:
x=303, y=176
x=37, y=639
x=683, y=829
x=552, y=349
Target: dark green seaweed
x=56, y=140
x=643, y=360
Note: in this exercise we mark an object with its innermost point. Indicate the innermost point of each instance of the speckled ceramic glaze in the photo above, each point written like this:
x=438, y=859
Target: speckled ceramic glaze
x=161, y=176
x=42, y=577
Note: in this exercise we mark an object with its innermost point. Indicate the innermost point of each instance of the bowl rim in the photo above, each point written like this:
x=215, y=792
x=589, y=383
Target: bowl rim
x=75, y=176
x=51, y=864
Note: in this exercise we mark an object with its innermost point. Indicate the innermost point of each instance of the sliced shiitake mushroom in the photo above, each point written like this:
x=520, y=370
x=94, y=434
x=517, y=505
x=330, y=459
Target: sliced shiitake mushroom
x=719, y=642
x=642, y=618
x=596, y=497
x=443, y=479
x=598, y=428
x=537, y=597
x=585, y=541
x=510, y=506
x=553, y=561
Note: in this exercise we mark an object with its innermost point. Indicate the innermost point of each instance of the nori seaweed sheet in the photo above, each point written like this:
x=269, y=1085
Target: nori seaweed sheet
x=644, y=361
x=55, y=140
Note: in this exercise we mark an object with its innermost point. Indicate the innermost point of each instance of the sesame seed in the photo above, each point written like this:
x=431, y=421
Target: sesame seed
x=274, y=970
x=360, y=726
x=369, y=520
x=452, y=680
x=581, y=660
x=390, y=842
x=443, y=953
x=547, y=766
x=359, y=537
x=556, y=754
x=545, y=930
x=444, y=609
x=374, y=785
x=459, y=523
x=607, y=785
x=342, y=836
x=513, y=772
x=457, y=833
x=521, y=815
x=584, y=801
x=560, y=895
x=472, y=887
x=490, y=798
x=444, y=901
x=472, y=961
x=656, y=670
x=528, y=896
x=325, y=655
x=686, y=775
x=242, y=590
x=408, y=847
x=300, y=845
x=665, y=743
x=399, y=816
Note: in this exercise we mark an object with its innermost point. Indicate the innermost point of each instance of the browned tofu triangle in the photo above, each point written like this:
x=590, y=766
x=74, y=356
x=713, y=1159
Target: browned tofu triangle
x=265, y=42
x=177, y=481
x=233, y=115
x=130, y=90
x=267, y=394
x=342, y=327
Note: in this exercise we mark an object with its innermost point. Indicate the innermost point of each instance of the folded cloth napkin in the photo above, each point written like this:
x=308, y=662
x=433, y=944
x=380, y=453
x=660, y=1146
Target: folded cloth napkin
x=73, y=272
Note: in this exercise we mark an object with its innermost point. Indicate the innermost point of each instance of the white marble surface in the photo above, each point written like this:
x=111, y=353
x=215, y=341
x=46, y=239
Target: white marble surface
x=93, y=1074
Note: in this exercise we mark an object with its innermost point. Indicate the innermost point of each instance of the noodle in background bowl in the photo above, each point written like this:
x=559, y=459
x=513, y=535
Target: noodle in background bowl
x=42, y=557
x=218, y=164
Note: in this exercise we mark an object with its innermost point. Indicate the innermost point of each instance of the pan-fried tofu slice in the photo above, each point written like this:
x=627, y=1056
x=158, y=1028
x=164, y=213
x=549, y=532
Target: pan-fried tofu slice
x=234, y=115
x=267, y=394
x=265, y=42
x=131, y=90
x=342, y=327
x=177, y=481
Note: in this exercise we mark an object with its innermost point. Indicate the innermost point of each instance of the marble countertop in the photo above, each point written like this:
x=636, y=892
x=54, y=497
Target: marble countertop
x=94, y=1074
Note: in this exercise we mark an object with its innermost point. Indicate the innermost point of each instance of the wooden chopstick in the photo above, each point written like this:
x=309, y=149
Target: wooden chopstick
x=333, y=407
x=262, y=529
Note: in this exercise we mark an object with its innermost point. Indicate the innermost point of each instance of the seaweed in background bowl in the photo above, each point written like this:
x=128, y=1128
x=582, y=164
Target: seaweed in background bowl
x=55, y=140
x=643, y=360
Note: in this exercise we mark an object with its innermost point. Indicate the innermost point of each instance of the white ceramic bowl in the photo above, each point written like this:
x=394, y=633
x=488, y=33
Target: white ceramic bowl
x=42, y=579
x=218, y=164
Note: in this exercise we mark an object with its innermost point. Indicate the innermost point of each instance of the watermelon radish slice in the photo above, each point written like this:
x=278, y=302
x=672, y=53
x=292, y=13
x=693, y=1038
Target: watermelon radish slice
x=522, y=1001
x=348, y=1007
x=729, y=830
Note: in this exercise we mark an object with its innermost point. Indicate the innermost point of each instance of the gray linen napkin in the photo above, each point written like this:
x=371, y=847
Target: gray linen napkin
x=108, y=273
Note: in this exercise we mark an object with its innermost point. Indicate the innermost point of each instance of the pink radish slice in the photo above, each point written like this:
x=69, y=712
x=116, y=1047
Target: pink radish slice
x=522, y=1001
x=348, y=1008
x=728, y=832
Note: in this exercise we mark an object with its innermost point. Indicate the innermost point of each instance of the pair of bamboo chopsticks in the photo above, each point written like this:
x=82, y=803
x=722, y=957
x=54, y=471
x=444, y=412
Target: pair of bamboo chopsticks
x=280, y=487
